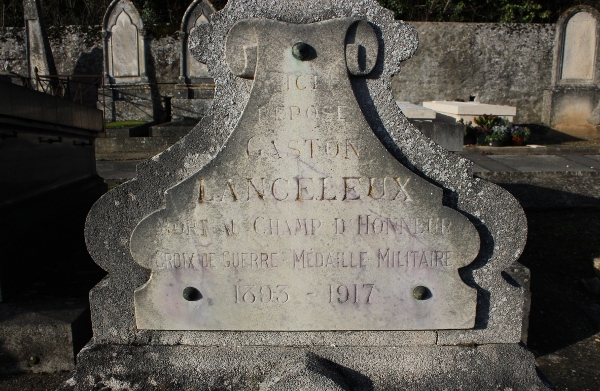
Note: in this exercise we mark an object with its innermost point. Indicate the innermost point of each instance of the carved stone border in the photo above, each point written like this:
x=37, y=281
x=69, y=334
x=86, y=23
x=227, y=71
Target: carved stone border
x=497, y=215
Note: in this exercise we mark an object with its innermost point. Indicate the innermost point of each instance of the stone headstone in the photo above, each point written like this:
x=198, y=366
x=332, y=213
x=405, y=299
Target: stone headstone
x=124, y=48
x=194, y=93
x=305, y=233
x=192, y=70
x=39, y=54
x=579, y=51
x=304, y=216
x=126, y=93
x=571, y=105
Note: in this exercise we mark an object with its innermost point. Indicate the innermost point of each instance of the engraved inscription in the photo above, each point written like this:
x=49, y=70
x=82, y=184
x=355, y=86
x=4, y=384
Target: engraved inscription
x=304, y=221
x=305, y=148
x=256, y=294
x=269, y=114
x=414, y=259
x=304, y=189
x=307, y=259
x=351, y=294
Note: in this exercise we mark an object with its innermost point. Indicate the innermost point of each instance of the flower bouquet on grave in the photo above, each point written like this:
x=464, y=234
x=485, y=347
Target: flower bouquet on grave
x=500, y=134
x=519, y=135
x=485, y=123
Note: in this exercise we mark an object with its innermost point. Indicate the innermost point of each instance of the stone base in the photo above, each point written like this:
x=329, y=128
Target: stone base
x=573, y=110
x=486, y=367
x=43, y=336
x=448, y=135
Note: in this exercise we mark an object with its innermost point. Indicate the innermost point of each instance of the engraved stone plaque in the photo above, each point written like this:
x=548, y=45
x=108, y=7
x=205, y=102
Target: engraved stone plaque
x=125, y=47
x=579, y=55
x=304, y=221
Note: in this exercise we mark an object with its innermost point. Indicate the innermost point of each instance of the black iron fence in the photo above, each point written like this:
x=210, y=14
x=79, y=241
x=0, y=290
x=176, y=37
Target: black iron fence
x=76, y=88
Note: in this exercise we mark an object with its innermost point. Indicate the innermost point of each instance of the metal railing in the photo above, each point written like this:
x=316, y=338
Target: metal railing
x=70, y=87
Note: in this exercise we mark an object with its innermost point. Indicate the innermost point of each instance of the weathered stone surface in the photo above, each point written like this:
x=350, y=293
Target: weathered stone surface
x=579, y=58
x=419, y=112
x=449, y=136
x=124, y=47
x=497, y=216
x=177, y=183
x=132, y=147
x=467, y=111
x=491, y=367
x=303, y=221
x=550, y=190
x=194, y=107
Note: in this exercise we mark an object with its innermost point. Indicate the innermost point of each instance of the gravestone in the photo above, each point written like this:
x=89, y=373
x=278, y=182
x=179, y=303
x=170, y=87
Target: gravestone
x=572, y=103
x=306, y=234
x=39, y=54
x=193, y=95
x=126, y=94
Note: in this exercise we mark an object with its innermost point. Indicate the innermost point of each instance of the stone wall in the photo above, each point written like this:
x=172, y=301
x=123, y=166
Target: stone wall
x=508, y=64
x=78, y=50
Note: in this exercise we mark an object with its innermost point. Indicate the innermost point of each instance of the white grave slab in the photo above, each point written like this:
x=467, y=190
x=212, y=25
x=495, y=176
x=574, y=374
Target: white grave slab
x=455, y=111
x=412, y=111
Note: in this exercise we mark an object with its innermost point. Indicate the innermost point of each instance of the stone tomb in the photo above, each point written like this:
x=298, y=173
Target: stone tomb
x=305, y=234
x=450, y=111
x=446, y=134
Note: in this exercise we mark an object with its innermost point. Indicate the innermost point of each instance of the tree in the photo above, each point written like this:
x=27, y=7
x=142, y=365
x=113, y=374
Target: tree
x=91, y=12
x=502, y=11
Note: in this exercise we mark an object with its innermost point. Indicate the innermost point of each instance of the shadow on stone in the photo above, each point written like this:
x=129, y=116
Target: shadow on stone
x=322, y=374
x=8, y=361
x=88, y=63
x=531, y=196
x=158, y=106
x=541, y=134
x=486, y=251
x=559, y=253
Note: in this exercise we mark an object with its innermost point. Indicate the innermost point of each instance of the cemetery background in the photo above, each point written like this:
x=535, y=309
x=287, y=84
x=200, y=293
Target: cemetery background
x=567, y=288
